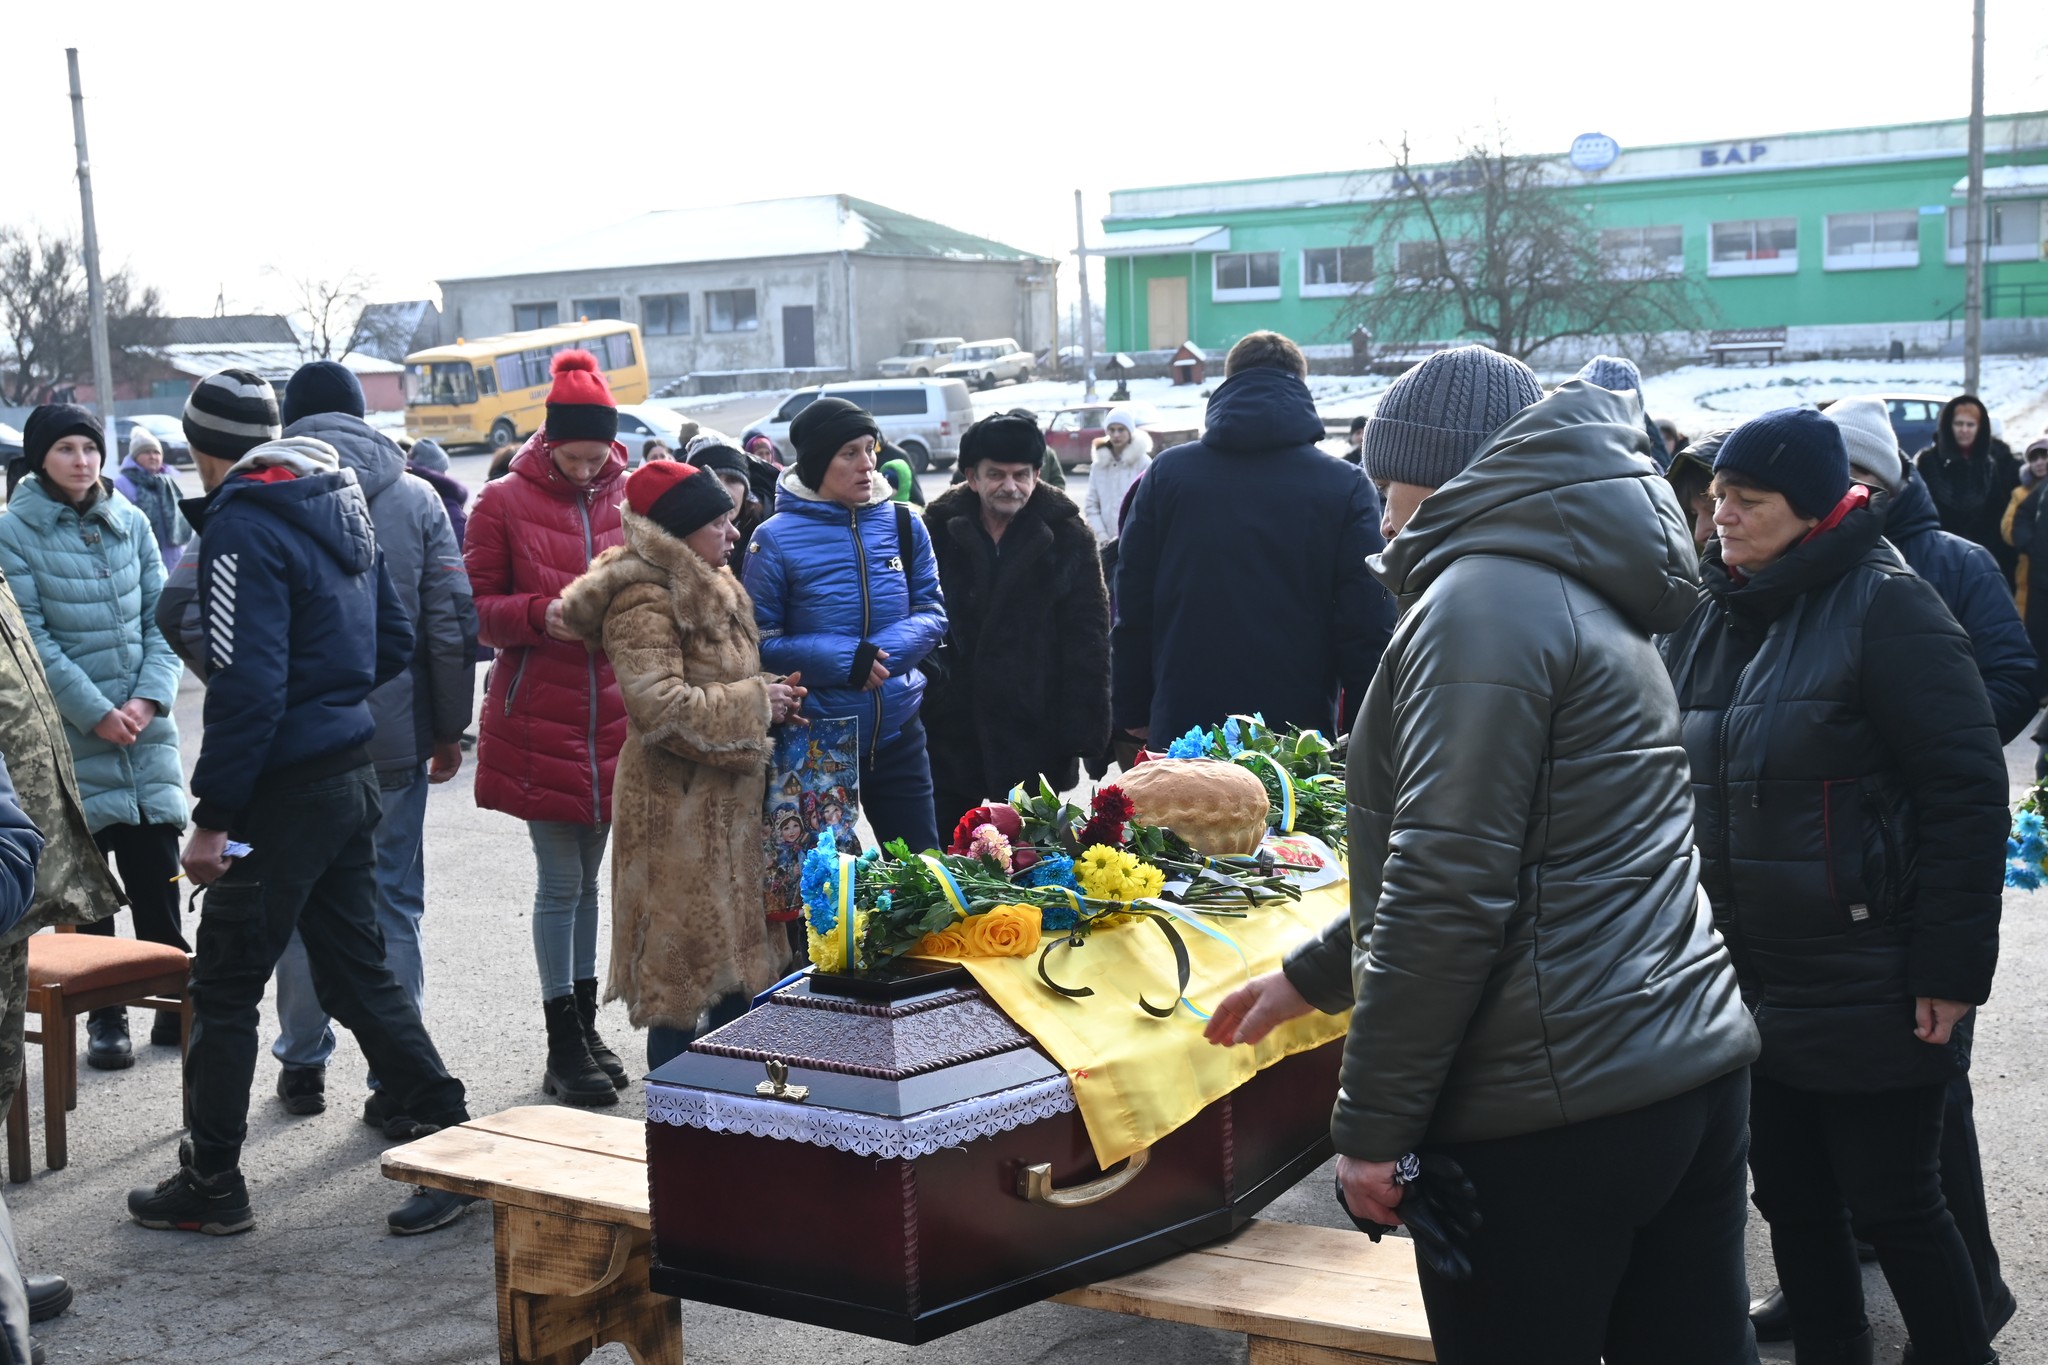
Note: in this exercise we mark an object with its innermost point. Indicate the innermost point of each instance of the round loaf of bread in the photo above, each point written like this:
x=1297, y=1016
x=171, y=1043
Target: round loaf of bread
x=1218, y=808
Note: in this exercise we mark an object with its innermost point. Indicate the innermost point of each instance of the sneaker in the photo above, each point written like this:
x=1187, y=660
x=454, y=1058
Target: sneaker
x=426, y=1210
x=380, y=1111
x=191, y=1202
x=303, y=1089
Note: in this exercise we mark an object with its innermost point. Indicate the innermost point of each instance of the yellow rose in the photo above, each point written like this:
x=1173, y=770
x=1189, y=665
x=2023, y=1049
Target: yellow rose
x=1005, y=931
x=948, y=942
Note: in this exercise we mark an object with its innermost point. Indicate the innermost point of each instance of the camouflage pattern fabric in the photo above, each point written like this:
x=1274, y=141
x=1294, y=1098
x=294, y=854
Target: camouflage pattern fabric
x=73, y=884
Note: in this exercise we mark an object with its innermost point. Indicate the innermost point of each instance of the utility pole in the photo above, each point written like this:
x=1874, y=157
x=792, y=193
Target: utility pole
x=1973, y=245
x=1087, y=314
x=96, y=290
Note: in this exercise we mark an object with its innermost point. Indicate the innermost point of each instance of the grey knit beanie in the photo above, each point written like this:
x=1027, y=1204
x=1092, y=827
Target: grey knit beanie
x=1436, y=417
x=1615, y=373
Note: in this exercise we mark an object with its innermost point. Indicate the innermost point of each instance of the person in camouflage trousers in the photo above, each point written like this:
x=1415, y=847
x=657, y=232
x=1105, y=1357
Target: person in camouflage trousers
x=73, y=885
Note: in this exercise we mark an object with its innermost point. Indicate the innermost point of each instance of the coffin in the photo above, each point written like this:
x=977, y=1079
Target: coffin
x=936, y=1172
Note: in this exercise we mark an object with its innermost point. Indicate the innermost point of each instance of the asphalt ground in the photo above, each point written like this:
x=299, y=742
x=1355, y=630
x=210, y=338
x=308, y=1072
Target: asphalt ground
x=319, y=1279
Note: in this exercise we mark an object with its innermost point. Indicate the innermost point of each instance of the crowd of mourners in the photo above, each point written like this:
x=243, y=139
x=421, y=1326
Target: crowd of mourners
x=1678, y=803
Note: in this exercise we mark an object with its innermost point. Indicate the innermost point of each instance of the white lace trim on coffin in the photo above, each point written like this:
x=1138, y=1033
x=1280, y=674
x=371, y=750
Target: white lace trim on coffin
x=919, y=1135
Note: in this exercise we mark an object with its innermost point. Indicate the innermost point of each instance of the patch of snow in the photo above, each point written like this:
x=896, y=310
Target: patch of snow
x=1701, y=397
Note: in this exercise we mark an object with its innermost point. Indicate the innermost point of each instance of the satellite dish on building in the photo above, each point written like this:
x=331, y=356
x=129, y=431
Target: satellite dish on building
x=1594, y=151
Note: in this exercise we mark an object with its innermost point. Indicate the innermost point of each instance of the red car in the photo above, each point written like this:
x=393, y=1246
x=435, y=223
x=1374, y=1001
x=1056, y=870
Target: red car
x=1073, y=432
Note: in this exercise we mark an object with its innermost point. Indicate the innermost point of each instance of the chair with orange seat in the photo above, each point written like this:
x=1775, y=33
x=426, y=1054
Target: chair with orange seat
x=70, y=974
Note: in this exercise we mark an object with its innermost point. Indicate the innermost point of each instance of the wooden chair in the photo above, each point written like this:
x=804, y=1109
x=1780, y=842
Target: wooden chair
x=70, y=974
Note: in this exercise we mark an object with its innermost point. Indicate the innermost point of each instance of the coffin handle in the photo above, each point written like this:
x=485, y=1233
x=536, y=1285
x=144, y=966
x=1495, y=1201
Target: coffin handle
x=1035, y=1184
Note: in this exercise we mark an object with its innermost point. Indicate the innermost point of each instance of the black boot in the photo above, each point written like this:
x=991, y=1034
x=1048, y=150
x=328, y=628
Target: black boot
x=572, y=1077
x=586, y=1013
x=1771, y=1316
x=1856, y=1350
x=106, y=1040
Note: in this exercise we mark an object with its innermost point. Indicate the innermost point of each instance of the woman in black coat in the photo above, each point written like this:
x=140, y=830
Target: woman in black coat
x=1850, y=810
x=1971, y=474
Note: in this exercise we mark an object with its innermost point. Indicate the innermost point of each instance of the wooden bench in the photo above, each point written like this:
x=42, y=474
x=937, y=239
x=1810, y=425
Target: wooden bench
x=1301, y=1295
x=1722, y=344
x=568, y=1192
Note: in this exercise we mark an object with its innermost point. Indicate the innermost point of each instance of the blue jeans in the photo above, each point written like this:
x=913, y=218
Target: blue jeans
x=896, y=790
x=565, y=902
x=303, y=1037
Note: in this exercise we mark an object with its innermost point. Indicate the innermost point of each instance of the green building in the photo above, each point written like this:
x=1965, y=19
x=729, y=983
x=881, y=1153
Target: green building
x=1851, y=239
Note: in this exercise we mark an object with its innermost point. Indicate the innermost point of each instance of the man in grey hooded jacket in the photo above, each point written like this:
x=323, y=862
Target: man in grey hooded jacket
x=1535, y=986
x=420, y=714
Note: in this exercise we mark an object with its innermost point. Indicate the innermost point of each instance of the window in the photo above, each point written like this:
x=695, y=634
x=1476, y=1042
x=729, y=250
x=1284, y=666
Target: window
x=1331, y=271
x=528, y=316
x=1422, y=261
x=487, y=381
x=665, y=315
x=1246, y=275
x=511, y=373
x=2012, y=231
x=1755, y=246
x=595, y=310
x=618, y=350
x=442, y=383
x=536, y=363
x=908, y=401
x=1642, y=253
x=1873, y=241
x=796, y=403
x=729, y=310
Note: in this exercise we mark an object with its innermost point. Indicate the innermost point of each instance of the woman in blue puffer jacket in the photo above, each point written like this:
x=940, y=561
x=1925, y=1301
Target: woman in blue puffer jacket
x=83, y=563
x=845, y=601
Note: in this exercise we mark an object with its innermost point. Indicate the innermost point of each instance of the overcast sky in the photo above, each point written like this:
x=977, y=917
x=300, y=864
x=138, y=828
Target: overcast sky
x=231, y=148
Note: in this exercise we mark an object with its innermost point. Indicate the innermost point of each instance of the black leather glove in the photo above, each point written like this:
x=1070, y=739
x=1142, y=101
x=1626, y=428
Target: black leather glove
x=1439, y=1206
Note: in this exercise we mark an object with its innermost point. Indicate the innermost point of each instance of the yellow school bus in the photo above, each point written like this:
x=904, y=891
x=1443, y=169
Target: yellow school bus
x=495, y=391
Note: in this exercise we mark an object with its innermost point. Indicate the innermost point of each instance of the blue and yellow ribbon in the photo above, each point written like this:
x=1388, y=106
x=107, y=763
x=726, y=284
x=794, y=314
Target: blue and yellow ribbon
x=946, y=883
x=1194, y=921
x=1287, y=807
x=847, y=870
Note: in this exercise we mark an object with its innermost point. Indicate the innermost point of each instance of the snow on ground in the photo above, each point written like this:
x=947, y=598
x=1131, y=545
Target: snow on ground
x=1702, y=397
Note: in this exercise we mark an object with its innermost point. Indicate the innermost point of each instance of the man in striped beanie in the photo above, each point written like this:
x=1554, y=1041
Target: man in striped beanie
x=229, y=414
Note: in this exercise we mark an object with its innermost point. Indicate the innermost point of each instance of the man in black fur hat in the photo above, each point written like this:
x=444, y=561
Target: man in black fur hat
x=1024, y=689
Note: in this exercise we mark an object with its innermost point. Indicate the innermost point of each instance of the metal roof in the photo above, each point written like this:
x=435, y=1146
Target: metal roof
x=2005, y=182
x=818, y=225
x=273, y=361
x=234, y=329
x=1156, y=241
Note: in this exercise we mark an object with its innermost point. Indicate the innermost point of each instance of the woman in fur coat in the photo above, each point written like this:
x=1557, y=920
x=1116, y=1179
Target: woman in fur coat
x=689, y=932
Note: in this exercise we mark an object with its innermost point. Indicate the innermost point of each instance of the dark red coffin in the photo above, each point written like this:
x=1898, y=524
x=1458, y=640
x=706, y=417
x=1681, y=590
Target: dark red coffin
x=892, y=1199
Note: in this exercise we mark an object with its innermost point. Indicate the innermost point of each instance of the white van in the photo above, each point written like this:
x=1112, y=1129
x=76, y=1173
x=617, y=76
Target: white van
x=923, y=416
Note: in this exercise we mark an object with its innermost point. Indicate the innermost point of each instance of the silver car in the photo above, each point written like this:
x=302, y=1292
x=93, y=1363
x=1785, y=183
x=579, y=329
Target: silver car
x=985, y=364
x=920, y=356
x=640, y=423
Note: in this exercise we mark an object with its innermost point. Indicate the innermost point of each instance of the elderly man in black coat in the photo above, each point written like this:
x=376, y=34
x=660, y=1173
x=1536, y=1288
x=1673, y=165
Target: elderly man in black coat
x=1023, y=689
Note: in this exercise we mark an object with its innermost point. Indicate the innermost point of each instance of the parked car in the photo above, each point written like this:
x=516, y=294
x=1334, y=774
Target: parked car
x=640, y=423
x=920, y=356
x=168, y=430
x=923, y=416
x=985, y=364
x=1915, y=416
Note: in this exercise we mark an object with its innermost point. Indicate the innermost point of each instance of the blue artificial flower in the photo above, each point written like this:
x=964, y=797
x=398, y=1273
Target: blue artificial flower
x=873, y=855
x=820, y=872
x=1193, y=744
x=883, y=902
x=2023, y=876
x=1054, y=869
x=1233, y=737
x=2029, y=824
x=2034, y=849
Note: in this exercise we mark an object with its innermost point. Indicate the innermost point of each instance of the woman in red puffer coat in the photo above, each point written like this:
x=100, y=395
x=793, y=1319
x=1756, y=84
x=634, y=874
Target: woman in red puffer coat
x=553, y=721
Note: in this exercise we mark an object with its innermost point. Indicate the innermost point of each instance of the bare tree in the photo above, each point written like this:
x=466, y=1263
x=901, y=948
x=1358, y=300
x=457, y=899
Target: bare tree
x=329, y=312
x=1495, y=247
x=45, y=323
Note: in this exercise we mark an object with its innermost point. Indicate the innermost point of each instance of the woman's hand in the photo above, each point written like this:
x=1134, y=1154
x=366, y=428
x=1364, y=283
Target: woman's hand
x=140, y=710
x=117, y=727
x=557, y=628
x=1935, y=1019
x=786, y=699
x=1252, y=1011
x=877, y=675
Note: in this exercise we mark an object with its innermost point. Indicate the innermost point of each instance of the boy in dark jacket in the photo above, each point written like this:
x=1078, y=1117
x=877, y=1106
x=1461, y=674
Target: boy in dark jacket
x=302, y=623
x=1241, y=583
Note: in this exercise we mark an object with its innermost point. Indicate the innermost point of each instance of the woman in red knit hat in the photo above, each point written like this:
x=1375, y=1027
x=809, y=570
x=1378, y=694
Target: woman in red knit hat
x=688, y=933
x=553, y=721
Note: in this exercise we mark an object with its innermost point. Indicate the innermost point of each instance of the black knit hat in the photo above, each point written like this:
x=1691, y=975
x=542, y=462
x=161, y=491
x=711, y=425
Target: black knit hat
x=1793, y=451
x=51, y=423
x=821, y=429
x=322, y=386
x=719, y=459
x=679, y=498
x=1006, y=437
x=230, y=413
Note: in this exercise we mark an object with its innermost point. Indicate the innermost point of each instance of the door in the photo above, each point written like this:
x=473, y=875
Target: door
x=1166, y=313
x=800, y=338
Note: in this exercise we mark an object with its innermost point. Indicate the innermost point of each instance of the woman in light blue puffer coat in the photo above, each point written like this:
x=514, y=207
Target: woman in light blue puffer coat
x=83, y=564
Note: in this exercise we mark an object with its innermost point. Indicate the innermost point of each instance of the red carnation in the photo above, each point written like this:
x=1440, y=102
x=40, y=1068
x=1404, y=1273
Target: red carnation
x=1111, y=803
x=1101, y=829
x=1007, y=822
